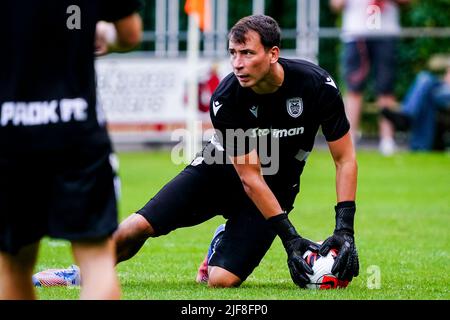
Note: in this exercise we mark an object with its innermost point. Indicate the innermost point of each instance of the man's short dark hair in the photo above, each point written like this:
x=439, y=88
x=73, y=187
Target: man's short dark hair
x=267, y=28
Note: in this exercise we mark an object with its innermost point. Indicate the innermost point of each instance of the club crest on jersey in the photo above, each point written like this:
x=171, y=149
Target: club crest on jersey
x=294, y=107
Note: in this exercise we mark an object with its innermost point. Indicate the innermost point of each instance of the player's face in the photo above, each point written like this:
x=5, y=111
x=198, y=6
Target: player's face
x=251, y=62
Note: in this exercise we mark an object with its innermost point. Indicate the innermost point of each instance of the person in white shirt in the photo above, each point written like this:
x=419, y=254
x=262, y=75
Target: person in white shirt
x=369, y=32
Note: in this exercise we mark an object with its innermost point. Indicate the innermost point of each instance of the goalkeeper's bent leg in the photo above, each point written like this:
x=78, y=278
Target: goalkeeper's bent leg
x=131, y=235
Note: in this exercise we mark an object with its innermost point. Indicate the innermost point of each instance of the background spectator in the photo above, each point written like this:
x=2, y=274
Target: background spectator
x=427, y=95
x=369, y=31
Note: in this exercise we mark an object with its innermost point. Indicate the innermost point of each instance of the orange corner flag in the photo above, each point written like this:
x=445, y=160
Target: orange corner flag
x=202, y=8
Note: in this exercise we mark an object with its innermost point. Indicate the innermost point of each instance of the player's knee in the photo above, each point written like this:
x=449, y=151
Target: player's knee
x=220, y=278
x=223, y=282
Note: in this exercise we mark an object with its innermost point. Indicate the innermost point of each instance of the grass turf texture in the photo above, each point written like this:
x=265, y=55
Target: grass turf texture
x=402, y=228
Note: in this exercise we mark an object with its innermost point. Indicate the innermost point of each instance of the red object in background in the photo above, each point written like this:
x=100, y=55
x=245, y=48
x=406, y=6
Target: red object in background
x=206, y=89
x=379, y=3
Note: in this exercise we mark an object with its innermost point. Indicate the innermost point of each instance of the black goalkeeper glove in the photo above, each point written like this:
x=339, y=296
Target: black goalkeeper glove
x=346, y=264
x=295, y=247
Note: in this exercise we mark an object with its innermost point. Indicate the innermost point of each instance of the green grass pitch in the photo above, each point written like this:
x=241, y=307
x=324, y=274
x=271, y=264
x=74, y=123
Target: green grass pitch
x=402, y=234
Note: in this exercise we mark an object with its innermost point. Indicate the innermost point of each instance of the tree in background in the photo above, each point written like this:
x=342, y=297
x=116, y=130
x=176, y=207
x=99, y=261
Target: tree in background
x=415, y=53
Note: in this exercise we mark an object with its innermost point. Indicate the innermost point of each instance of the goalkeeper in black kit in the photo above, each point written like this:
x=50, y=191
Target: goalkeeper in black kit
x=266, y=115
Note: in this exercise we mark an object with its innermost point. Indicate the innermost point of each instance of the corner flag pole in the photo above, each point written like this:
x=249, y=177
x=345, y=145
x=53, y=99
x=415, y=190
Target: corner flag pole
x=192, y=140
x=198, y=19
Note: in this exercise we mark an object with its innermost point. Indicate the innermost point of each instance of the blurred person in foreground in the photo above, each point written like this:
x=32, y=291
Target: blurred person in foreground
x=57, y=176
x=428, y=94
x=370, y=29
x=267, y=102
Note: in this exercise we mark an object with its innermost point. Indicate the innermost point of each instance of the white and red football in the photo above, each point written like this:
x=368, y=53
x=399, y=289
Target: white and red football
x=322, y=277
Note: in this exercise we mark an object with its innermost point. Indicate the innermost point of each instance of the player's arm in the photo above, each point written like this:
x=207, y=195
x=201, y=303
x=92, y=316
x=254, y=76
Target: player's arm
x=118, y=36
x=344, y=157
x=129, y=32
x=335, y=127
x=249, y=170
x=346, y=265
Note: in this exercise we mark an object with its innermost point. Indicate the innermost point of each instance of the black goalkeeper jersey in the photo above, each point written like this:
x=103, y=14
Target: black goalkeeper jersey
x=291, y=117
x=47, y=77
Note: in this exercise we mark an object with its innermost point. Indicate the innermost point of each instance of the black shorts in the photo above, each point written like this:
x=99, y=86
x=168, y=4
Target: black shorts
x=201, y=192
x=67, y=195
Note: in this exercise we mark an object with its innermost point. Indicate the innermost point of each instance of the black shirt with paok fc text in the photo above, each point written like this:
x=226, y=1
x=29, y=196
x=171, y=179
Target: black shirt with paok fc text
x=281, y=126
x=47, y=77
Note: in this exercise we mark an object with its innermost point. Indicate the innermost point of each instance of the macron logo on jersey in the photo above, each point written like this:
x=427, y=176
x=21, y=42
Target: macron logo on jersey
x=216, y=106
x=330, y=82
x=254, y=111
